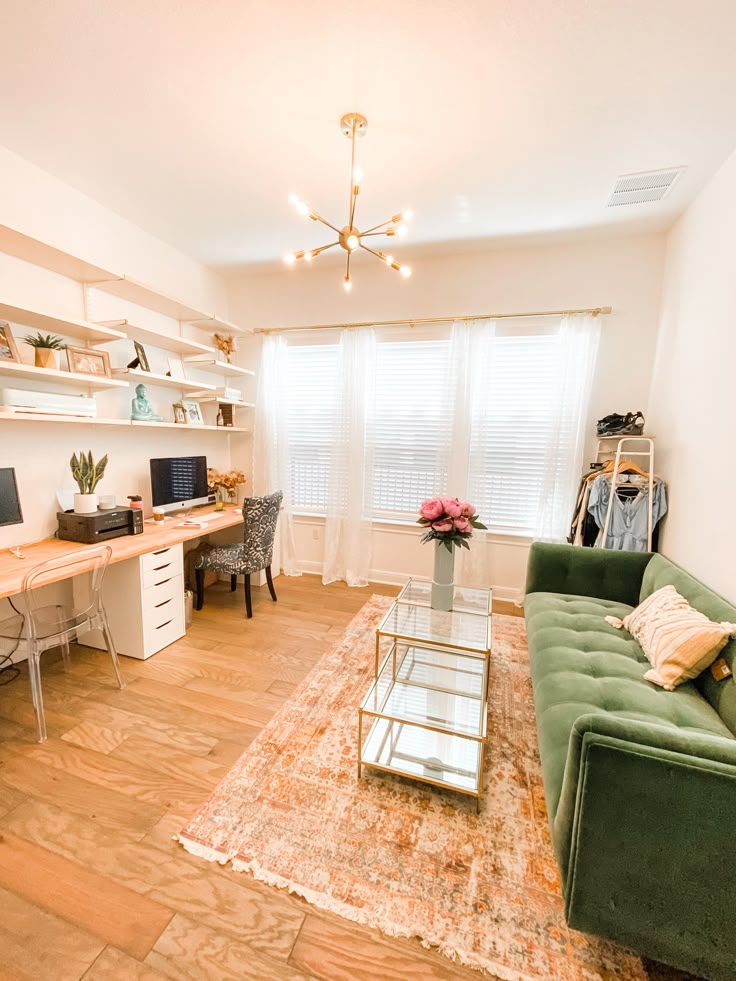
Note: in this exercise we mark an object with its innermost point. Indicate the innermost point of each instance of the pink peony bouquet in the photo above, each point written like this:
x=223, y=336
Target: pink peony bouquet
x=448, y=520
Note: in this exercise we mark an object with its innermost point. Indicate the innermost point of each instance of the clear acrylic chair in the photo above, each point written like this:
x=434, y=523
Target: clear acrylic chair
x=43, y=625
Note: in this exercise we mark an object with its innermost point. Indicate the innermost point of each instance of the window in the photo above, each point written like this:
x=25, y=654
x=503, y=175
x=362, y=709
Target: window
x=511, y=426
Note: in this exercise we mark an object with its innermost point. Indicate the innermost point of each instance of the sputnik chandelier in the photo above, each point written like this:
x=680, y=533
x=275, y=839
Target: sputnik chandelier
x=351, y=238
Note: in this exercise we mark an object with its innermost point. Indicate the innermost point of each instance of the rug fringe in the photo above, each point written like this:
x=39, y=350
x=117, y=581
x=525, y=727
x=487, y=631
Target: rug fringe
x=330, y=905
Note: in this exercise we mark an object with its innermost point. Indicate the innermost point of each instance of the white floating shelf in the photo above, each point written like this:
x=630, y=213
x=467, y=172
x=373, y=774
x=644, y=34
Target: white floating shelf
x=49, y=323
x=137, y=376
x=235, y=403
x=219, y=367
x=56, y=260
x=82, y=421
x=58, y=377
x=155, y=338
x=143, y=295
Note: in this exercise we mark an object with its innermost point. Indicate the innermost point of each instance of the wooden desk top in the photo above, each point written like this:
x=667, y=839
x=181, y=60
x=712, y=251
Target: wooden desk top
x=154, y=537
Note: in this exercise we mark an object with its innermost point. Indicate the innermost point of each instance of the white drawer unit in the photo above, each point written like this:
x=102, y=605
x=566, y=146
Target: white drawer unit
x=144, y=599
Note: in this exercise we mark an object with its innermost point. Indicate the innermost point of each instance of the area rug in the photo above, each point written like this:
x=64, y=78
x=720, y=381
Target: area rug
x=399, y=855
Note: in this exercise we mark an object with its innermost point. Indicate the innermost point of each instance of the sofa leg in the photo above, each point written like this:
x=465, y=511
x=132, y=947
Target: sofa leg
x=199, y=580
x=248, y=604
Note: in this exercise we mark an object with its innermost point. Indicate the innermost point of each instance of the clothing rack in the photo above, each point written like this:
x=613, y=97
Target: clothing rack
x=649, y=453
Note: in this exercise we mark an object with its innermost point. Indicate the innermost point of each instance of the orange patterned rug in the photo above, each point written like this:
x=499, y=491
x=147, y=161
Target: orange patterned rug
x=398, y=855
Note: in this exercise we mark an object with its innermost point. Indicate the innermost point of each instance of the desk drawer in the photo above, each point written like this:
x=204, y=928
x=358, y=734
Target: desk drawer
x=154, y=597
x=151, y=561
x=164, y=624
x=162, y=573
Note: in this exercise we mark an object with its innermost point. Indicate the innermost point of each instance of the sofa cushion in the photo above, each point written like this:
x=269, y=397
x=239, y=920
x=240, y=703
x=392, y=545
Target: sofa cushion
x=663, y=572
x=581, y=665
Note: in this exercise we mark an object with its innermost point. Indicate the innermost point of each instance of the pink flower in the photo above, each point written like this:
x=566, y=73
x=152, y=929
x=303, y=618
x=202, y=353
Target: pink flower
x=468, y=510
x=452, y=506
x=444, y=525
x=432, y=508
x=462, y=524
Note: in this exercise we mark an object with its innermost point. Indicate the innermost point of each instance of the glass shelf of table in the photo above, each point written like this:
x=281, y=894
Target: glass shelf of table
x=466, y=599
x=456, y=629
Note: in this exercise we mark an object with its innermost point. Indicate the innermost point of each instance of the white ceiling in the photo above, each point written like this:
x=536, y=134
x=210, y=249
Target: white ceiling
x=490, y=118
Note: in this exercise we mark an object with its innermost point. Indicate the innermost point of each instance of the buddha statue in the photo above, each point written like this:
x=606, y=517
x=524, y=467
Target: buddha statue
x=141, y=407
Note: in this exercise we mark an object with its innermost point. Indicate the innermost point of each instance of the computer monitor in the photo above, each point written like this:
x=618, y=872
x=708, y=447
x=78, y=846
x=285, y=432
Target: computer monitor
x=180, y=482
x=10, y=511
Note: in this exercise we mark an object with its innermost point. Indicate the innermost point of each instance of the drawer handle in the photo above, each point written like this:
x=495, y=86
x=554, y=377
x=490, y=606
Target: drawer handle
x=162, y=551
x=159, y=605
x=162, y=583
x=158, y=568
x=161, y=626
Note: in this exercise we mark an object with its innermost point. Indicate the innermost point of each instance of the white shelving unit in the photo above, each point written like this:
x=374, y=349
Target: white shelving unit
x=38, y=253
x=48, y=323
x=220, y=368
x=21, y=417
x=57, y=377
x=203, y=397
x=137, y=376
x=157, y=338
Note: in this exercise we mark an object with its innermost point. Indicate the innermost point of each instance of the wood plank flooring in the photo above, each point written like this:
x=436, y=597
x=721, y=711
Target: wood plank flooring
x=91, y=884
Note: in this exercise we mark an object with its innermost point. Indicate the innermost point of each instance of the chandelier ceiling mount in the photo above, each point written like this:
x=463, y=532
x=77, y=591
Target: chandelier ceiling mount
x=349, y=237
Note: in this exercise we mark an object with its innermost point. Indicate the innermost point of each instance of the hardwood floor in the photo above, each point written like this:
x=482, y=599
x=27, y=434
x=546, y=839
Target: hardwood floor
x=91, y=884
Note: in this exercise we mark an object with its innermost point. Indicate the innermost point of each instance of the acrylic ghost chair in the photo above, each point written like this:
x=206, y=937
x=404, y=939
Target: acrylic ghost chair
x=254, y=554
x=43, y=624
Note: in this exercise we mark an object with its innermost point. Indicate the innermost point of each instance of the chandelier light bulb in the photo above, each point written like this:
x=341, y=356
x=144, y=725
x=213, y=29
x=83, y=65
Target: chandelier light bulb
x=406, y=271
x=353, y=242
x=308, y=256
x=402, y=231
x=290, y=259
x=358, y=175
x=388, y=259
x=347, y=284
x=407, y=215
x=294, y=199
x=302, y=208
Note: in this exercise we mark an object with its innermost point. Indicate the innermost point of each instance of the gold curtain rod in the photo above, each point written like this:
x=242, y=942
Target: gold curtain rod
x=594, y=311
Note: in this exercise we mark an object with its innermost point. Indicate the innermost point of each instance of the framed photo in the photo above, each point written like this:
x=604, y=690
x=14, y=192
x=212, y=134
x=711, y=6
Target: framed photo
x=88, y=361
x=141, y=356
x=180, y=413
x=227, y=414
x=193, y=412
x=8, y=350
x=176, y=368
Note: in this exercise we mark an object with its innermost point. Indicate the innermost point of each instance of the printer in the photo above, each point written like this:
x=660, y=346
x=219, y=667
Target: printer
x=89, y=529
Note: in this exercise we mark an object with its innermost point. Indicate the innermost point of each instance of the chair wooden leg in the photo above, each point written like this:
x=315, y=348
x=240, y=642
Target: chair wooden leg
x=233, y=583
x=248, y=604
x=199, y=580
x=269, y=581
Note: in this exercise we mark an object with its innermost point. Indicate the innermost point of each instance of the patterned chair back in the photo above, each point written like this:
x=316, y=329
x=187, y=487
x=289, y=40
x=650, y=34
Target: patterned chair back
x=260, y=515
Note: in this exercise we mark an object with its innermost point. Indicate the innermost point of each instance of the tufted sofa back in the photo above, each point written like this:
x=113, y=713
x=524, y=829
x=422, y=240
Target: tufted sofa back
x=662, y=572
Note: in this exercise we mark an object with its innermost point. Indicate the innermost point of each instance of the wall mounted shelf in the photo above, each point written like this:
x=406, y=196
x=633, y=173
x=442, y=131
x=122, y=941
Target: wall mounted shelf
x=156, y=338
x=79, y=421
x=219, y=367
x=38, y=253
x=57, y=377
x=136, y=376
x=48, y=323
x=236, y=404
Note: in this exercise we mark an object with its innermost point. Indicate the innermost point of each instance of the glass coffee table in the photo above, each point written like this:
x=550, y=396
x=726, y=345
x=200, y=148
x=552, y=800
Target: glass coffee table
x=425, y=715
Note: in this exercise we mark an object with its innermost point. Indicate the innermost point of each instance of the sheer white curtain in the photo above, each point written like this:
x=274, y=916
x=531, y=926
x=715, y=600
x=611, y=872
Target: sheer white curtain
x=271, y=445
x=577, y=353
x=470, y=376
x=348, y=523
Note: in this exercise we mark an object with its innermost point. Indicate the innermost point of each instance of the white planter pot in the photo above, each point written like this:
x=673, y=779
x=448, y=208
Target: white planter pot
x=442, y=579
x=85, y=503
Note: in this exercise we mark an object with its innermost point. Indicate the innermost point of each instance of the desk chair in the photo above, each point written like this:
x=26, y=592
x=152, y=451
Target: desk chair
x=41, y=626
x=254, y=555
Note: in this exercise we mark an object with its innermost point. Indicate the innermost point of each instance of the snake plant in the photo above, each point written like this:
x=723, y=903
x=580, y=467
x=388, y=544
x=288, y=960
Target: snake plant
x=86, y=472
x=49, y=341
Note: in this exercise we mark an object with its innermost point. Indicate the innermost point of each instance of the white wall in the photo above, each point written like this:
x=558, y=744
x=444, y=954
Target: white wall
x=693, y=401
x=41, y=206
x=622, y=272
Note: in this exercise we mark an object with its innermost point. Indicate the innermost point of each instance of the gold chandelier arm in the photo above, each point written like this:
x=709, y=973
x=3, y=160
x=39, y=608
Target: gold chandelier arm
x=385, y=231
x=316, y=217
x=378, y=255
x=324, y=248
x=351, y=199
x=376, y=227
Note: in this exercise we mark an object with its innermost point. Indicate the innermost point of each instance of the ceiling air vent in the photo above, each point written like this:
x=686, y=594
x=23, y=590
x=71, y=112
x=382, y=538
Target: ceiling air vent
x=652, y=185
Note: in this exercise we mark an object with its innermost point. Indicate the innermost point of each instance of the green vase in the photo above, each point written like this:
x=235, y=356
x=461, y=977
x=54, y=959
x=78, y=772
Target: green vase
x=443, y=578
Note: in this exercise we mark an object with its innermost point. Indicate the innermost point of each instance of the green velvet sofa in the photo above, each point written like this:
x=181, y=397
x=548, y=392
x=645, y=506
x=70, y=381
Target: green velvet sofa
x=640, y=783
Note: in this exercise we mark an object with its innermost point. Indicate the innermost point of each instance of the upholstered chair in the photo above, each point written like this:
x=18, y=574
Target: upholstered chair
x=254, y=555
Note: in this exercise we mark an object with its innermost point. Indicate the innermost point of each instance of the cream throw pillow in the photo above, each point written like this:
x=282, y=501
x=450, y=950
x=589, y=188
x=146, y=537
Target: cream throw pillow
x=678, y=641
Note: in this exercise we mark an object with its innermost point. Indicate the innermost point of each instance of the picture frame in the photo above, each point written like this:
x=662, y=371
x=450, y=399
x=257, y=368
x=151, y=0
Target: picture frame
x=193, y=412
x=141, y=356
x=8, y=347
x=180, y=414
x=176, y=368
x=88, y=361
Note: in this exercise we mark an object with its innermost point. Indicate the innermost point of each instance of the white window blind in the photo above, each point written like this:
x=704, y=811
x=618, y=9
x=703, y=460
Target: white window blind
x=522, y=419
x=412, y=428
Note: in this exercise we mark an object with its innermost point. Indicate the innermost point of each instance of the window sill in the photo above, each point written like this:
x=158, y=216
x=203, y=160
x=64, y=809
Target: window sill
x=403, y=527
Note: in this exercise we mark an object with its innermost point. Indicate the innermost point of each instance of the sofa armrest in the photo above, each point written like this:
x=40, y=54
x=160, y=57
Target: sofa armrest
x=649, y=860
x=599, y=572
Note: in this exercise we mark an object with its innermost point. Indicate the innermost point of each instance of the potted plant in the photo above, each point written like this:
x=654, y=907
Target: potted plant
x=87, y=475
x=45, y=346
x=449, y=523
